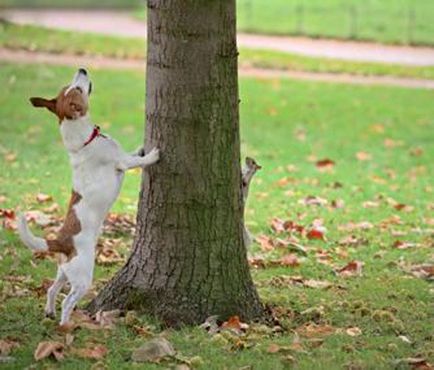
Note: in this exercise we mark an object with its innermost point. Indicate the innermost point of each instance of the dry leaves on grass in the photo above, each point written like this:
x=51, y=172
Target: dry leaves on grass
x=363, y=156
x=312, y=330
x=423, y=271
x=95, y=352
x=353, y=268
x=7, y=345
x=285, y=280
x=8, y=219
x=325, y=165
x=49, y=348
x=153, y=351
x=43, y=198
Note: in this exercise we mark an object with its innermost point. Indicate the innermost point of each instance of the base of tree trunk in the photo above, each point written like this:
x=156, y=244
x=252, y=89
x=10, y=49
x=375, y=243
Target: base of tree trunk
x=172, y=308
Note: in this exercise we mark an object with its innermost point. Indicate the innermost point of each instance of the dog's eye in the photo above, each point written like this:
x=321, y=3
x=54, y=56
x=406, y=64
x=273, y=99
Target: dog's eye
x=79, y=89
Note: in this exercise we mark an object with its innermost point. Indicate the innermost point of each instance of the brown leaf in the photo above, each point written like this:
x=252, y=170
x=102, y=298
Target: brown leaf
x=7, y=345
x=273, y=348
x=257, y=262
x=234, y=323
x=398, y=244
x=312, y=200
x=10, y=157
x=363, y=156
x=42, y=198
x=370, y=204
x=316, y=234
x=317, y=284
x=278, y=225
x=353, y=268
x=423, y=271
x=48, y=348
x=265, y=242
x=416, y=152
x=96, y=352
x=312, y=330
x=326, y=162
x=353, y=331
x=290, y=260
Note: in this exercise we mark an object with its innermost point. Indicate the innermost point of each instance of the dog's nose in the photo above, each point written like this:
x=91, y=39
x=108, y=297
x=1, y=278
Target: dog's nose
x=82, y=71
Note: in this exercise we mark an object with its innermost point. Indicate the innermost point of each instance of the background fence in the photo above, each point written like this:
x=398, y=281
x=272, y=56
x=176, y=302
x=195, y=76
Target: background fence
x=391, y=21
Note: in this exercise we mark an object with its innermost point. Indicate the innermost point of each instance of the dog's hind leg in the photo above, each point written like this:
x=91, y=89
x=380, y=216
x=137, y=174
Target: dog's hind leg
x=61, y=279
x=75, y=294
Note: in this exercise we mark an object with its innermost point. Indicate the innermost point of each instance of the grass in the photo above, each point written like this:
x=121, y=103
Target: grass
x=41, y=39
x=283, y=124
x=393, y=21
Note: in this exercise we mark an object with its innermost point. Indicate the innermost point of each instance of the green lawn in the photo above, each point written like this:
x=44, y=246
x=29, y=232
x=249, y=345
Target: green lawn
x=41, y=39
x=284, y=125
x=392, y=21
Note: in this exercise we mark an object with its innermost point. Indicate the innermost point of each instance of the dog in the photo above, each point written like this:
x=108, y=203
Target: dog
x=98, y=165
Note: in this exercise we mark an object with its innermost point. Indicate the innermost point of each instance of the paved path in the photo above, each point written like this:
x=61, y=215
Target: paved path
x=123, y=24
x=28, y=57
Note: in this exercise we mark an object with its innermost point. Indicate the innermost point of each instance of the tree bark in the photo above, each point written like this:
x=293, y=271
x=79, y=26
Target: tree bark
x=188, y=259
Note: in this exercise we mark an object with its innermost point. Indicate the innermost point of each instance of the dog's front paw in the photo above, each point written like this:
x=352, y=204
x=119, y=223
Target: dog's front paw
x=153, y=156
x=50, y=315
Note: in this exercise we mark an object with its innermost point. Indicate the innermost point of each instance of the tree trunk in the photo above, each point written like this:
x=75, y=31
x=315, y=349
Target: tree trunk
x=189, y=260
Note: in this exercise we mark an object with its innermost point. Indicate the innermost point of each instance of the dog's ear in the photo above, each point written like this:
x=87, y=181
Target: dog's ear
x=44, y=103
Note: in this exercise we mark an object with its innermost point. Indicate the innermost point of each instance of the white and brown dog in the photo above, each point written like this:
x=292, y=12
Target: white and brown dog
x=98, y=165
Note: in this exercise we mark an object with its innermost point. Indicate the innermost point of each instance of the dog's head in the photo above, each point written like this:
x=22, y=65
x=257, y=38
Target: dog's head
x=72, y=101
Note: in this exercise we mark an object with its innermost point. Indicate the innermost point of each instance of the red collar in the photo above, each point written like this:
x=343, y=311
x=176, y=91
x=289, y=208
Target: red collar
x=95, y=133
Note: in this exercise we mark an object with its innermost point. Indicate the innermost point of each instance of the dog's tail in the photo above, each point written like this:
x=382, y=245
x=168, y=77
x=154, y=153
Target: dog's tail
x=33, y=242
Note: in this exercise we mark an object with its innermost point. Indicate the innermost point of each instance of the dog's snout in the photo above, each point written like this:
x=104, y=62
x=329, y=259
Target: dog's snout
x=82, y=71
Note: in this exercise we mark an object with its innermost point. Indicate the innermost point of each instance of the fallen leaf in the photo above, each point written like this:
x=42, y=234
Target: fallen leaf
x=317, y=284
x=42, y=198
x=416, y=152
x=290, y=260
x=48, y=348
x=423, y=271
x=312, y=330
x=265, y=242
x=353, y=331
x=235, y=323
x=370, y=204
x=39, y=218
x=398, y=244
x=96, y=352
x=353, y=268
x=278, y=225
x=7, y=345
x=316, y=234
x=337, y=203
x=403, y=207
x=312, y=200
x=363, y=156
x=325, y=162
x=153, y=351
x=273, y=348
x=107, y=319
x=10, y=157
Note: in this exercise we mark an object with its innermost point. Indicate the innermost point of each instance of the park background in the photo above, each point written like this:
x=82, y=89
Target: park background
x=342, y=209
